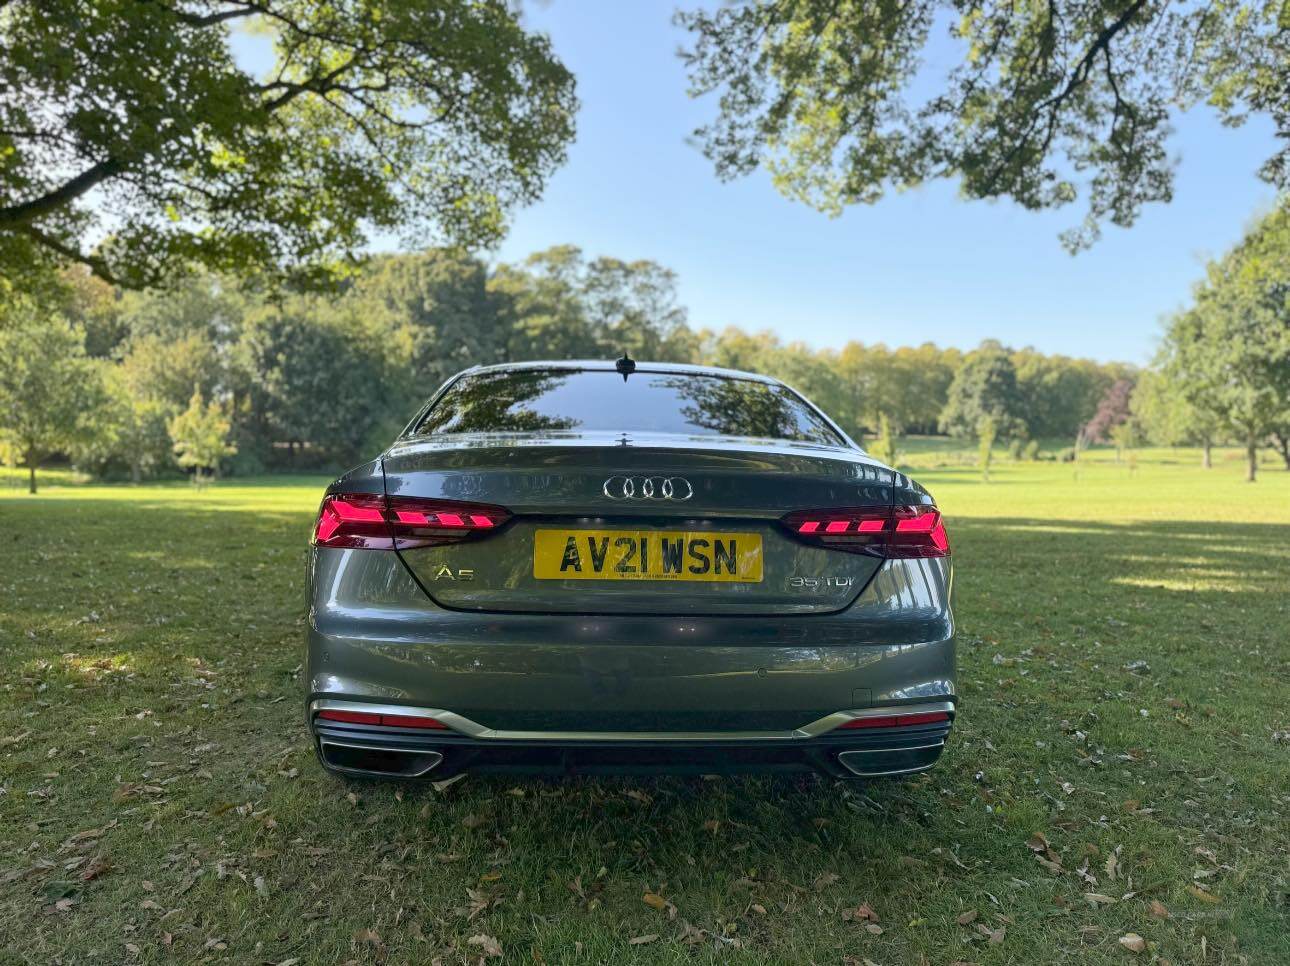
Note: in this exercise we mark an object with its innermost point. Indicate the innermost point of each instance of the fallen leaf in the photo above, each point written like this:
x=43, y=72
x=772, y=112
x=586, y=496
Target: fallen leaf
x=642, y=940
x=98, y=865
x=966, y=918
x=1112, y=864
x=1202, y=895
x=1157, y=909
x=654, y=900
x=824, y=880
x=1097, y=899
x=1038, y=842
x=1133, y=942
x=491, y=947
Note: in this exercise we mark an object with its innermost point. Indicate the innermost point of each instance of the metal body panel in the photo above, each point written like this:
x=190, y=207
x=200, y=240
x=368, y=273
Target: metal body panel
x=374, y=636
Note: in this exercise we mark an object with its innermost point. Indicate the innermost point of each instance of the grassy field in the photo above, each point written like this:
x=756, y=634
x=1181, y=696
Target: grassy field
x=1120, y=768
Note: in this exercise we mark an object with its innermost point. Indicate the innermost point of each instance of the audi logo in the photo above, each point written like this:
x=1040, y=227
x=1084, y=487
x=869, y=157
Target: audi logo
x=648, y=488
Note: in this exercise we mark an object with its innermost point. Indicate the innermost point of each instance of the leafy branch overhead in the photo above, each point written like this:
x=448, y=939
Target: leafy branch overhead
x=135, y=138
x=844, y=100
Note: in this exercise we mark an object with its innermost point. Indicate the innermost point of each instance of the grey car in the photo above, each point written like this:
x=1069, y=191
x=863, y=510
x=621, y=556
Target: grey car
x=627, y=567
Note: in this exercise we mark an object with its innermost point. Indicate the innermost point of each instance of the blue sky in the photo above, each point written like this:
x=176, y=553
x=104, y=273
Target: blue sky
x=923, y=266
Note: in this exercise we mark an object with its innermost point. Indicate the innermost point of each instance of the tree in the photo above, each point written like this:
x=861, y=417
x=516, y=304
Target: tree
x=1231, y=349
x=201, y=434
x=50, y=391
x=1112, y=412
x=986, y=431
x=884, y=447
x=985, y=387
x=1045, y=99
x=1161, y=406
x=430, y=117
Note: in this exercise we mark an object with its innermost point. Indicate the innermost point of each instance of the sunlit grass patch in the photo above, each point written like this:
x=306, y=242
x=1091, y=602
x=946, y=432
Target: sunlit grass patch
x=1125, y=674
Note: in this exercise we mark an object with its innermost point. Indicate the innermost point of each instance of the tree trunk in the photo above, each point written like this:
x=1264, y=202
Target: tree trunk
x=1206, y=461
x=1251, y=459
x=136, y=473
x=31, y=476
x=1283, y=445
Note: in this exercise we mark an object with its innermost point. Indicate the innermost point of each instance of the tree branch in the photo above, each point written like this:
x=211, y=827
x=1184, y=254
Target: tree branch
x=95, y=264
x=29, y=211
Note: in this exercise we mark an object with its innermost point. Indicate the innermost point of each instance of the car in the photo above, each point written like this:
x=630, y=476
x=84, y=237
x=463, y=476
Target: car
x=627, y=567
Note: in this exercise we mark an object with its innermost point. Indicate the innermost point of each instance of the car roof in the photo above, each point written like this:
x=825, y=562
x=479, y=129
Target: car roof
x=608, y=365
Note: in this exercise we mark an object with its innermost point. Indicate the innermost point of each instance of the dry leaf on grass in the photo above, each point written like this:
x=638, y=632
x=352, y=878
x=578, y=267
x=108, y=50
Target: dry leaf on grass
x=1157, y=909
x=1133, y=942
x=490, y=946
x=966, y=918
x=642, y=940
x=654, y=900
x=824, y=880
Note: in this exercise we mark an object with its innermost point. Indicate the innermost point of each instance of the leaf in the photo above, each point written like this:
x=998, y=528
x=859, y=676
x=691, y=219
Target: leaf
x=642, y=940
x=1133, y=942
x=966, y=918
x=824, y=880
x=1038, y=843
x=1157, y=909
x=861, y=913
x=1202, y=895
x=1112, y=864
x=1097, y=899
x=490, y=946
x=654, y=900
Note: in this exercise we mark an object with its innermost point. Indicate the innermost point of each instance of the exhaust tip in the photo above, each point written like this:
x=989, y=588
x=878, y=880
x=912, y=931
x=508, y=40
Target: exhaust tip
x=884, y=762
x=383, y=762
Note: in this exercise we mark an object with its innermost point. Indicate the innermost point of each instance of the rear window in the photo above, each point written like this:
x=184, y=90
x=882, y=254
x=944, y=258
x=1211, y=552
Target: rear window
x=533, y=400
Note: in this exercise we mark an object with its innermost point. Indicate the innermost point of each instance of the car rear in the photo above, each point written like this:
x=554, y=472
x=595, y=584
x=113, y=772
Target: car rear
x=567, y=567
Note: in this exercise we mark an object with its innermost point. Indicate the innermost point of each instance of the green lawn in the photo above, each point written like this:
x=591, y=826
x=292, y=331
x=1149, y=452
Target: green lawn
x=1125, y=673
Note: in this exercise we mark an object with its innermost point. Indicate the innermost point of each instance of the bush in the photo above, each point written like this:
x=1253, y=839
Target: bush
x=1032, y=450
x=1067, y=455
x=1014, y=449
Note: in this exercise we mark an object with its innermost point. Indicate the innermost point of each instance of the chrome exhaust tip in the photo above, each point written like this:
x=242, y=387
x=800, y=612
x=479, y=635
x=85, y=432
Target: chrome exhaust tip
x=378, y=761
x=890, y=762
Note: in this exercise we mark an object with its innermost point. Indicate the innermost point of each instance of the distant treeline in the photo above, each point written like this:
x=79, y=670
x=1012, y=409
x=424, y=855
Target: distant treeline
x=308, y=380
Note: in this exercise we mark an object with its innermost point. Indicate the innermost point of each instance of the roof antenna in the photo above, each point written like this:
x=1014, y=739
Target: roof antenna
x=626, y=365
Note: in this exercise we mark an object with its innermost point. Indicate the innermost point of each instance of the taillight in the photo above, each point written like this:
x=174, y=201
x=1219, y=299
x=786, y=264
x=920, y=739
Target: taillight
x=375, y=522
x=883, y=531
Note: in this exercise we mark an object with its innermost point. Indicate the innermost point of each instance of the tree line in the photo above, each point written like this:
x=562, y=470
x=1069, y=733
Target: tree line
x=210, y=375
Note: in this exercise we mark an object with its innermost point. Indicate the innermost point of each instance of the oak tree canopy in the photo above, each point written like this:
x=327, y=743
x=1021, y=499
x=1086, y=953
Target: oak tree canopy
x=133, y=140
x=1040, y=102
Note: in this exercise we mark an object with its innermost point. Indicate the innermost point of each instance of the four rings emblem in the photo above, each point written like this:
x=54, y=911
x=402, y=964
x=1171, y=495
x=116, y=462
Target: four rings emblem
x=648, y=488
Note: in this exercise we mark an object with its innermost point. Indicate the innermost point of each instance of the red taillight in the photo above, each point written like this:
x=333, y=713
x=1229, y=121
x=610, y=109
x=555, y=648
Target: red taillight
x=375, y=522
x=883, y=531
x=389, y=720
x=896, y=720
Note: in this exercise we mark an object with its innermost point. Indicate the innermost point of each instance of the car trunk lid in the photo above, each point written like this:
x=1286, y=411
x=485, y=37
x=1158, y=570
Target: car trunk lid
x=628, y=523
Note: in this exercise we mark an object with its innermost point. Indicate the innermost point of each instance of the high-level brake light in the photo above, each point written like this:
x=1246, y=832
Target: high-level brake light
x=882, y=531
x=371, y=521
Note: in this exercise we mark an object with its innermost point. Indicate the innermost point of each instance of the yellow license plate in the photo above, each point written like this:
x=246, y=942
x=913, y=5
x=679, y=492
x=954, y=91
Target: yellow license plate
x=647, y=555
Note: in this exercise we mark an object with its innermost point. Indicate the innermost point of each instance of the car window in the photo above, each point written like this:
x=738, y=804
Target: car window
x=530, y=400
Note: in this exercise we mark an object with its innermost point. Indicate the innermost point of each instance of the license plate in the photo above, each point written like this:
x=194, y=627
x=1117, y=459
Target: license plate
x=647, y=555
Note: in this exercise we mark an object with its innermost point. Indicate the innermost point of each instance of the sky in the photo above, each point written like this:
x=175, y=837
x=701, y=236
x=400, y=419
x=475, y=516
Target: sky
x=916, y=267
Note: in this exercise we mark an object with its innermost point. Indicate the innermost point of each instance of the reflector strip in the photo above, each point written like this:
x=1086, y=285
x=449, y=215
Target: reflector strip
x=896, y=720
x=389, y=720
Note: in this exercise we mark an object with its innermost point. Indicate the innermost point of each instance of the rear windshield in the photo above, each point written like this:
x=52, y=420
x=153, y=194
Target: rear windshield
x=530, y=400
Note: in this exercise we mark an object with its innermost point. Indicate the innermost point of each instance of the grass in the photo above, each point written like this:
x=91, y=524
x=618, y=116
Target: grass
x=1125, y=675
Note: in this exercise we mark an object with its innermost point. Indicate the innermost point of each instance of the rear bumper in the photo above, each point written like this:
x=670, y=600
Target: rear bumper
x=460, y=745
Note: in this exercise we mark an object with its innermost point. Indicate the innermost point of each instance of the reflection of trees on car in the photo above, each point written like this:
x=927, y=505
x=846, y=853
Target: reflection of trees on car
x=496, y=403
x=738, y=407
